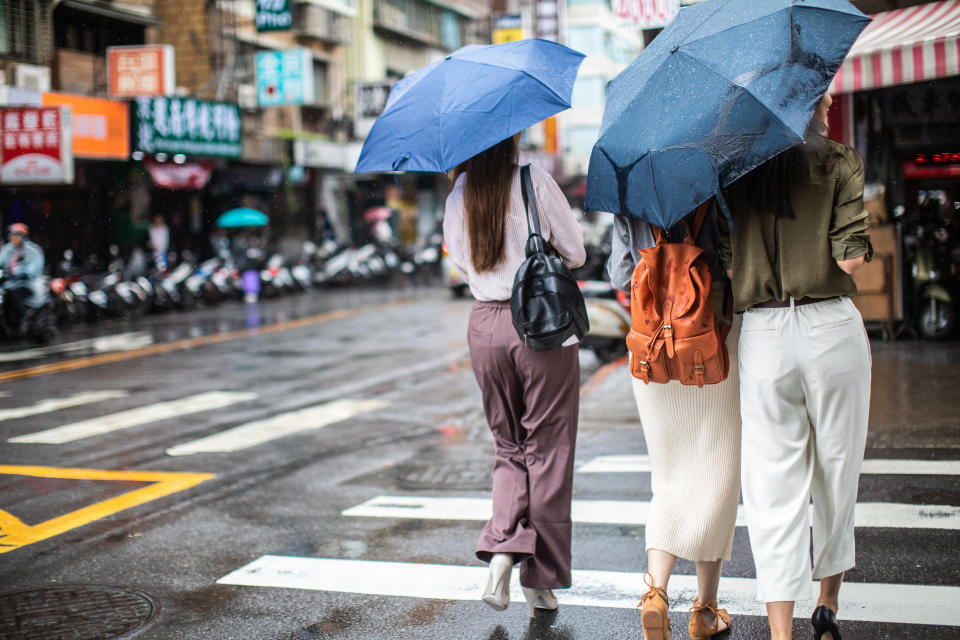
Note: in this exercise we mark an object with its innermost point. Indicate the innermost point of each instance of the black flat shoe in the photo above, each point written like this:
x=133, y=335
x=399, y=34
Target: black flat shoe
x=824, y=620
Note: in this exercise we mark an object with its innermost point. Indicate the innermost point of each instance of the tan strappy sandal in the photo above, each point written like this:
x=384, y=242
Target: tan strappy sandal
x=698, y=629
x=654, y=609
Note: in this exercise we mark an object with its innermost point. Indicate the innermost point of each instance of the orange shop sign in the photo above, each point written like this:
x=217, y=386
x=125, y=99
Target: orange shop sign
x=141, y=70
x=101, y=128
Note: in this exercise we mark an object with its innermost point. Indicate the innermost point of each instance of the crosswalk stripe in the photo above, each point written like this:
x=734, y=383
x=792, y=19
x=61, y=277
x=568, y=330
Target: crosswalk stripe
x=887, y=603
x=55, y=404
x=100, y=344
x=634, y=512
x=871, y=466
x=135, y=417
x=255, y=433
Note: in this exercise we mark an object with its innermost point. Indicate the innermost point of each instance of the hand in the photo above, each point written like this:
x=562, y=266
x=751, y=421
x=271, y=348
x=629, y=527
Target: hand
x=730, y=273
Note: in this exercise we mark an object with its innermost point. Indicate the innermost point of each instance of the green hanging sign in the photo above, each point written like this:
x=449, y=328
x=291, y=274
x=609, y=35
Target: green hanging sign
x=274, y=15
x=173, y=125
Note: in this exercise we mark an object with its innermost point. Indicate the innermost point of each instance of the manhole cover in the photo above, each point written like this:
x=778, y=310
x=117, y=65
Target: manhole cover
x=77, y=613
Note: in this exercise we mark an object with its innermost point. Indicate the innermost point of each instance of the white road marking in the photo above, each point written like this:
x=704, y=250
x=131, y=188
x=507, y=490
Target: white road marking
x=135, y=417
x=886, y=603
x=55, y=404
x=872, y=466
x=255, y=433
x=634, y=512
x=103, y=344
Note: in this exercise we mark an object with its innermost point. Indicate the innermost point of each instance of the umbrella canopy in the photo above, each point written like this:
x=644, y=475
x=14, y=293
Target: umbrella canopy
x=455, y=108
x=726, y=86
x=236, y=218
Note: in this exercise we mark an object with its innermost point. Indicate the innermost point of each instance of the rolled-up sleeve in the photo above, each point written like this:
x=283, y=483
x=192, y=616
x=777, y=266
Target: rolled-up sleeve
x=849, y=237
x=558, y=224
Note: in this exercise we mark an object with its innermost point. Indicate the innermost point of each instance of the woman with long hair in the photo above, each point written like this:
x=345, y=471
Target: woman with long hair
x=693, y=439
x=801, y=231
x=530, y=398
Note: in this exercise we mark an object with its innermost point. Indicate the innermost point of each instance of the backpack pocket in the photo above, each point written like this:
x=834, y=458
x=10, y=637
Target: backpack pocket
x=701, y=360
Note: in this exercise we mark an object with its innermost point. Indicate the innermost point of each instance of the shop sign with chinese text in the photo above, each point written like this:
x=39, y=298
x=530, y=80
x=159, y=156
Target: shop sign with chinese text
x=284, y=77
x=506, y=27
x=101, y=128
x=186, y=125
x=146, y=70
x=274, y=15
x=645, y=14
x=369, y=101
x=36, y=145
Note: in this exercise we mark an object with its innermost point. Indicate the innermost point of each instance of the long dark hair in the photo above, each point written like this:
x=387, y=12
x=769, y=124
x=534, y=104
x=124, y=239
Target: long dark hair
x=769, y=184
x=486, y=200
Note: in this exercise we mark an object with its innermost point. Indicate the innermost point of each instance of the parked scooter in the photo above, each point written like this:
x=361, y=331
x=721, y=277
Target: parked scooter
x=934, y=269
x=608, y=310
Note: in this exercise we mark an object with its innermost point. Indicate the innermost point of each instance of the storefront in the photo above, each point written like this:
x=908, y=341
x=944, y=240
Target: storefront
x=897, y=100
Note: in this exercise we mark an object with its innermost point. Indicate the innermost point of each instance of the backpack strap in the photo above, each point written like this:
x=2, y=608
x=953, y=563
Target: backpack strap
x=530, y=204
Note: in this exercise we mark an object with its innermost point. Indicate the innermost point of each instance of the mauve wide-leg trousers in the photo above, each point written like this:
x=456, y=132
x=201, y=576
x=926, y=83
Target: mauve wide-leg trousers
x=531, y=400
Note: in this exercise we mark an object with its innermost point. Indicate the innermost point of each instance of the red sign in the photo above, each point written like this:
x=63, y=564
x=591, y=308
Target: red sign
x=140, y=71
x=914, y=171
x=36, y=145
x=948, y=157
x=645, y=14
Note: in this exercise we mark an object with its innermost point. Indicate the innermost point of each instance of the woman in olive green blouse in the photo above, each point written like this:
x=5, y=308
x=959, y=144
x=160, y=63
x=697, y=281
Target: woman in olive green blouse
x=804, y=364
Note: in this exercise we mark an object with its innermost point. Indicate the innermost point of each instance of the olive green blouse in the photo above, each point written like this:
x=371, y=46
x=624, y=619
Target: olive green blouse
x=776, y=258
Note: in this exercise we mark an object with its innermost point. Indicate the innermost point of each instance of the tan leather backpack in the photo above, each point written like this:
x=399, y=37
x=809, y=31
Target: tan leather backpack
x=675, y=334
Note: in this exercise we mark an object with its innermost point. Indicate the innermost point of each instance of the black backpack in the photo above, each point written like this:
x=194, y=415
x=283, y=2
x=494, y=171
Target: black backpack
x=546, y=302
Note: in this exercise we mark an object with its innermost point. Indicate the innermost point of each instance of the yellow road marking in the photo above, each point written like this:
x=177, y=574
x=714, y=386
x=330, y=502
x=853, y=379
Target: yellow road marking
x=179, y=345
x=15, y=534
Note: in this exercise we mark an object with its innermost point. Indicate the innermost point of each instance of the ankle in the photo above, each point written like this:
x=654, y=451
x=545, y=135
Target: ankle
x=833, y=605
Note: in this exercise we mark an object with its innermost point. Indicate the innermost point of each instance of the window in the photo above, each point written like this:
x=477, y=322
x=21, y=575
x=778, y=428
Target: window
x=18, y=28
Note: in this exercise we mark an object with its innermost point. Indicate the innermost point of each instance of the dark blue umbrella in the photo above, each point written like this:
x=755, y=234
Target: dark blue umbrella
x=726, y=86
x=455, y=108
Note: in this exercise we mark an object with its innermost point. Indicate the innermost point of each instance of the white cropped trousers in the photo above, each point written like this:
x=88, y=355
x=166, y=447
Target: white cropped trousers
x=804, y=400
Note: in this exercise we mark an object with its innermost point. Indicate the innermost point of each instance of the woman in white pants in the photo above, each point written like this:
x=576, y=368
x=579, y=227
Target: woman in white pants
x=804, y=369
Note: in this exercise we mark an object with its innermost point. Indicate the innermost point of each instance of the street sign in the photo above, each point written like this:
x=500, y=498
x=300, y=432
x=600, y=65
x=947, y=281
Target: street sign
x=142, y=70
x=285, y=77
x=101, y=128
x=645, y=14
x=274, y=15
x=186, y=125
x=37, y=145
x=507, y=27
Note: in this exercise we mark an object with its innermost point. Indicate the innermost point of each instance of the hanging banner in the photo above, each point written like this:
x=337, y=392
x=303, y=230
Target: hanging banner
x=191, y=175
x=101, y=128
x=36, y=145
x=645, y=14
x=142, y=70
x=186, y=125
x=284, y=77
x=274, y=15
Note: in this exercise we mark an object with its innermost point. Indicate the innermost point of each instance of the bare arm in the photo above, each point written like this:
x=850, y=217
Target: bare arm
x=852, y=264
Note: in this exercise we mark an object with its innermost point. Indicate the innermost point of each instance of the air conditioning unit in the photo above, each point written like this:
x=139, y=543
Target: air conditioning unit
x=31, y=76
x=247, y=97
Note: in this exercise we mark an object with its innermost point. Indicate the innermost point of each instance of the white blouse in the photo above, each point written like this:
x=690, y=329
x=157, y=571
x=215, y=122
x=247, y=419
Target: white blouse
x=557, y=223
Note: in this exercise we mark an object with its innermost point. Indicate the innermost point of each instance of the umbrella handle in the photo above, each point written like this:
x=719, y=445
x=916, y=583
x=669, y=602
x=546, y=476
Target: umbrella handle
x=725, y=209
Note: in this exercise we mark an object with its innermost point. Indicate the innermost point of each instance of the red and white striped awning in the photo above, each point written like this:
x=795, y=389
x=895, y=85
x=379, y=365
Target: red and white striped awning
x=903, y=46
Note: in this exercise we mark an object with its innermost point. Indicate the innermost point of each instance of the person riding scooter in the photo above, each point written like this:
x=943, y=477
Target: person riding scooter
x=22, y=262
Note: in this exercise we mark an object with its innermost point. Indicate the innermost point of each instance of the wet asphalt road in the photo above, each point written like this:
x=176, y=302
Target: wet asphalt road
x=393, y=367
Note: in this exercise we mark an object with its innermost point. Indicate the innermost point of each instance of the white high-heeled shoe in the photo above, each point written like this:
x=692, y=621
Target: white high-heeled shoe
x=540, y=599
x=497, y=592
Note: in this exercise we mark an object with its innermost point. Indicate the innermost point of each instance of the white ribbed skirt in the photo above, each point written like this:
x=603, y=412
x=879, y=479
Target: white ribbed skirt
x=693, y=438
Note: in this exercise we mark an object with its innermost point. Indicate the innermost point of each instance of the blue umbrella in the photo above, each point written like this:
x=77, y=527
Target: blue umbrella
x=455, y=108
x=726, y=86
x=236, y=218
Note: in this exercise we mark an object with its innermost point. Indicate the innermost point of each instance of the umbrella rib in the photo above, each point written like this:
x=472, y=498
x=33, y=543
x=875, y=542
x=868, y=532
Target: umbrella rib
x=745, y=89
